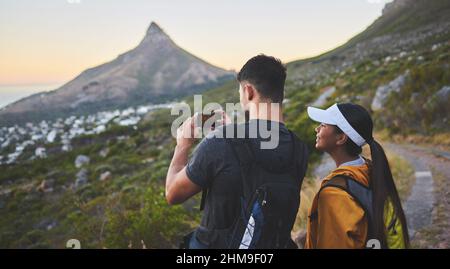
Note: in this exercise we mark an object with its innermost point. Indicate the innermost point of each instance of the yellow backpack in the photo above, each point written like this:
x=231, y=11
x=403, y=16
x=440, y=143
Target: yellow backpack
x=394, y=229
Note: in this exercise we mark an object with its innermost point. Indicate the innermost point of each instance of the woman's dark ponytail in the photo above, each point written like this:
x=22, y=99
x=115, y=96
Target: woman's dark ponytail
x=383, y=188
x=382, y=183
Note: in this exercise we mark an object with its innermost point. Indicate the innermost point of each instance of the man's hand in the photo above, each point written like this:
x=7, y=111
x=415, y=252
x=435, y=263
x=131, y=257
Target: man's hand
x=186, y=132
x=178, y=186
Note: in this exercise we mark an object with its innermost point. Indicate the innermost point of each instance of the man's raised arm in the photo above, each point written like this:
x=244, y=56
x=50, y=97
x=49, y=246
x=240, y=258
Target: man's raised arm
x=179, y=187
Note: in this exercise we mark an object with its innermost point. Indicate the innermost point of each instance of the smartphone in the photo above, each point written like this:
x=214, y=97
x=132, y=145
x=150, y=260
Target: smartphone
x=205, y=117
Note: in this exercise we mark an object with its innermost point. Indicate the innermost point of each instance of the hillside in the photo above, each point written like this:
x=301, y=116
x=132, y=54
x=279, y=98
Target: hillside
x=398, y=68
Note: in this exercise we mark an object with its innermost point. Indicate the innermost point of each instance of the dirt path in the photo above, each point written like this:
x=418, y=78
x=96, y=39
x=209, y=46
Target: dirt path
x=427, y=208
x=419, y=205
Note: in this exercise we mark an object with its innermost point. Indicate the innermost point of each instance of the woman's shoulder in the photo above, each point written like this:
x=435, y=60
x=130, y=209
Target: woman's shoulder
x=337, y=200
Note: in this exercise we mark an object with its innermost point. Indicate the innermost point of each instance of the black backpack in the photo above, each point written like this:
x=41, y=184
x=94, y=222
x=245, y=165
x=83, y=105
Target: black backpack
x=269, y=199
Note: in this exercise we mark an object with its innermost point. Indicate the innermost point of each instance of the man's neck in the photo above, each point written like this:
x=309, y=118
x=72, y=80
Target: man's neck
x=266, y=111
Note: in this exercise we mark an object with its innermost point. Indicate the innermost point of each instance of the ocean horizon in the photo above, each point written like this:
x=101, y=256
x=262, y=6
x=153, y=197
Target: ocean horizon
x=12, y=93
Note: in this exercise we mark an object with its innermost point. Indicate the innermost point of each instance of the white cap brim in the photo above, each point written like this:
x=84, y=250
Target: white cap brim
x=333, y=116
x=321, y=115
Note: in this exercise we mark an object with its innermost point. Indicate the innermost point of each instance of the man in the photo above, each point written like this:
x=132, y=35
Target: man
x=217, y=167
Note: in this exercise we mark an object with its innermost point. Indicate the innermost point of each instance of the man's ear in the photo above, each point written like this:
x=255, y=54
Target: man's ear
x=341, y=139
x=250, y=91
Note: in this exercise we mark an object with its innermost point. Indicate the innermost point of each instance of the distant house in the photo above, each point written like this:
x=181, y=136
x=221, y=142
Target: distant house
x=40, y=152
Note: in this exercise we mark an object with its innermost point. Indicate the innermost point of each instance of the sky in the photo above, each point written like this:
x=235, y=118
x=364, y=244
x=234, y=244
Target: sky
x=49, y=42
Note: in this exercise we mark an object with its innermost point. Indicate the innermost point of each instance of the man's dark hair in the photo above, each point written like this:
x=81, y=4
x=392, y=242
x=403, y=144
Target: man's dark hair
x=267, y=74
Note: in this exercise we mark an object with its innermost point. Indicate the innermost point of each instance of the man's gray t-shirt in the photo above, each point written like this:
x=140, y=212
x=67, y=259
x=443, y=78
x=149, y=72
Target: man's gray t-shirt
x=214, y=166
x=213, y=158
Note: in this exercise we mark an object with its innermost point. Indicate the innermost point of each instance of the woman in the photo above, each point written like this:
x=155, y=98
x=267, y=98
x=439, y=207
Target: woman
x=358, y=201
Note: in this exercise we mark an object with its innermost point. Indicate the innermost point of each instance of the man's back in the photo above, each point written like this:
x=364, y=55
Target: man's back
x=214, y=166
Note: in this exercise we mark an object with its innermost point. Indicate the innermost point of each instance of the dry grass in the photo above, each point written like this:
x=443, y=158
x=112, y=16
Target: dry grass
x=402, y=172
x=309, y=190
x=440, y=140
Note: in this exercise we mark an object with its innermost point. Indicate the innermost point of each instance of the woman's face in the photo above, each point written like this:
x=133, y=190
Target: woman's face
x=326, y=137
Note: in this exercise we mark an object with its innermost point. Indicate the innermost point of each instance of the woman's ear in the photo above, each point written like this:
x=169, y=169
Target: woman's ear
x=341, y=139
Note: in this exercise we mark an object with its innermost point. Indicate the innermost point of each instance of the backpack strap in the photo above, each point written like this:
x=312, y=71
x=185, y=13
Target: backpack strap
x=362, y=195
x=203, y=201
x=243, y=153
x=337, y=182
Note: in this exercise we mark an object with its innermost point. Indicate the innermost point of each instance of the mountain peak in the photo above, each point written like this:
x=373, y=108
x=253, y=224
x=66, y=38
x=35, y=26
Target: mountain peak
x=155, y=34
x=154, y=29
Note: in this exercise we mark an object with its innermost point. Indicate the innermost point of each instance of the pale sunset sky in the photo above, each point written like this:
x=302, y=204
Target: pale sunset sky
x=52, y=41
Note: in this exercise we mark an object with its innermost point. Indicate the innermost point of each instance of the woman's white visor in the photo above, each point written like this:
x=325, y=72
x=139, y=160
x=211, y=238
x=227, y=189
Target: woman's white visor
x=333, y=116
